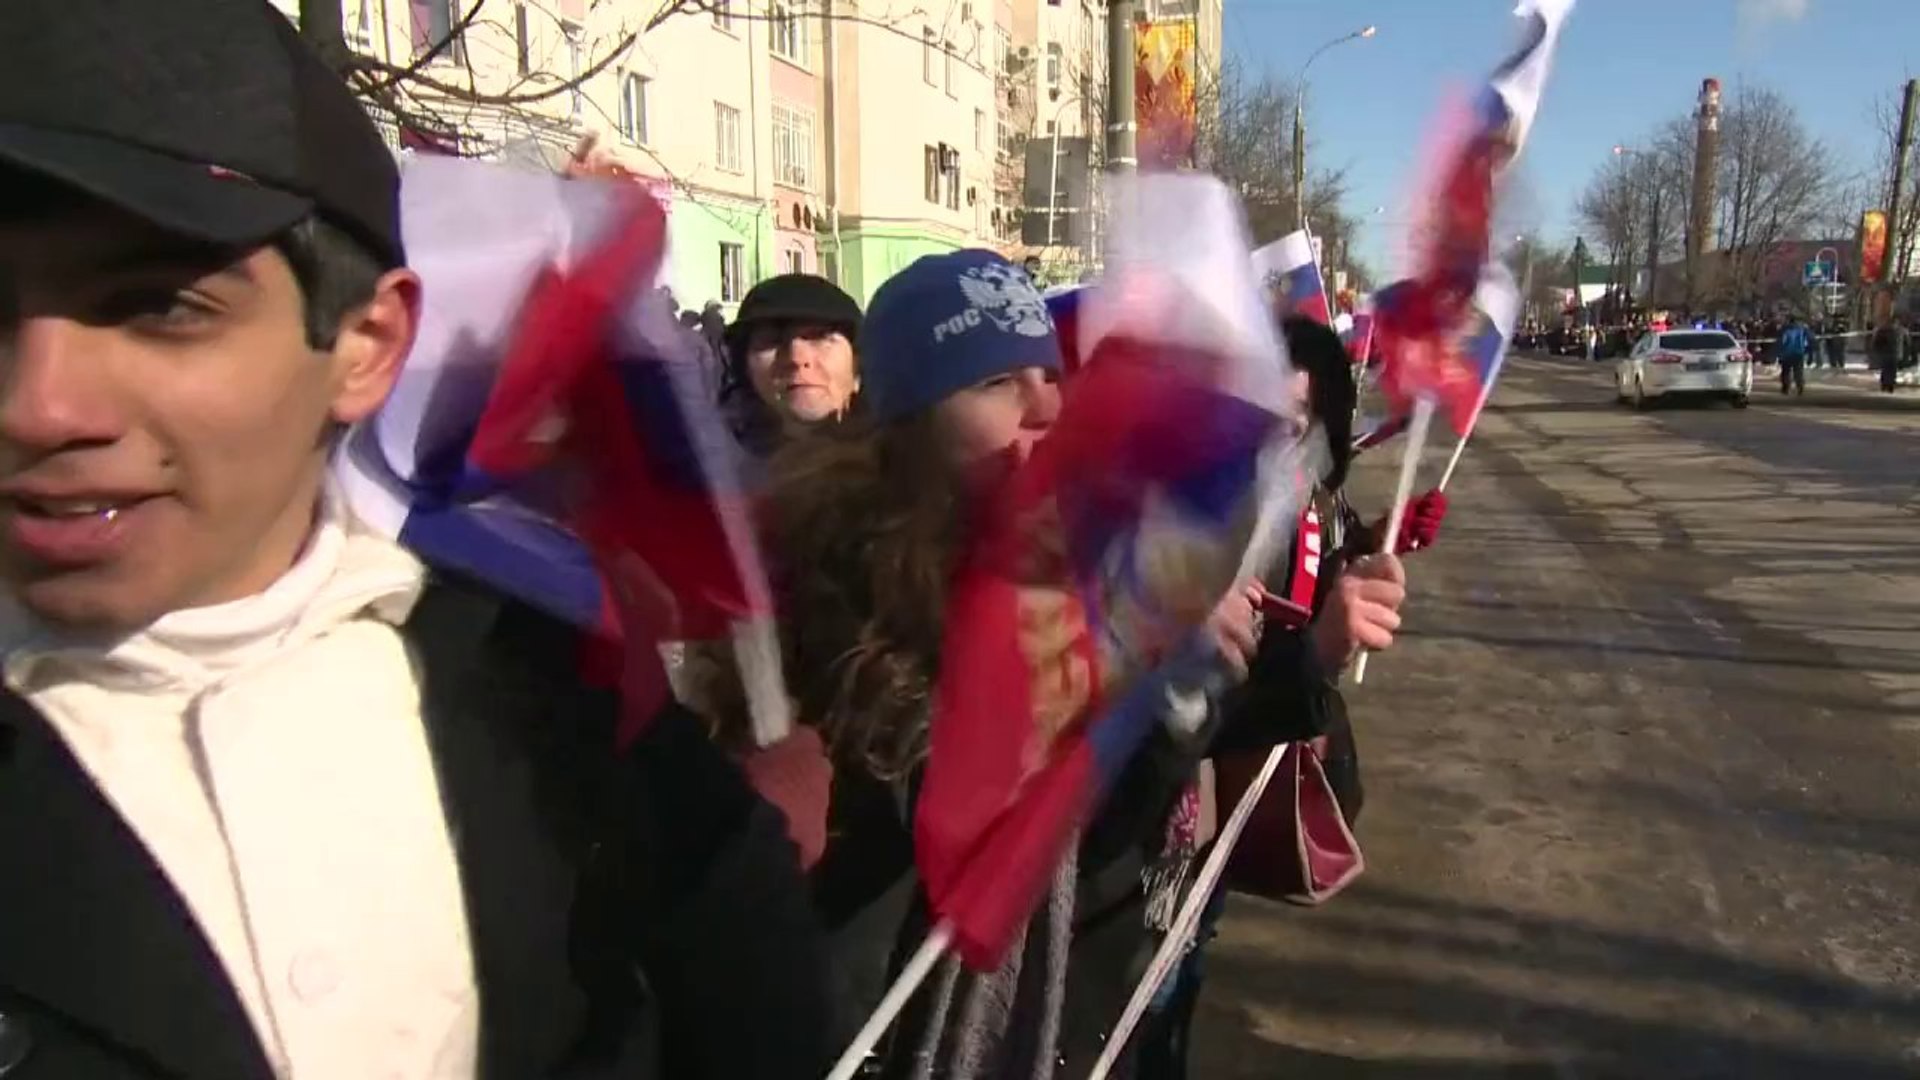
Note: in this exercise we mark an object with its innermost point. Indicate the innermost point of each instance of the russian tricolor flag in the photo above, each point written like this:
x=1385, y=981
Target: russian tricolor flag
x=1293, y=275
x=550, y=433
x=1101, y=553
x=1418, y=320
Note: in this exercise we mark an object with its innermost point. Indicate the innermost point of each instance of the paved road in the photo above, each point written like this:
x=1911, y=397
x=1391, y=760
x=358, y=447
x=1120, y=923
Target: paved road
x=1644, y=774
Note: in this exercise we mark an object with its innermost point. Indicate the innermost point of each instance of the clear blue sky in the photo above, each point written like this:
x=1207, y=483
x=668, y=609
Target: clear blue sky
x=1624, y=66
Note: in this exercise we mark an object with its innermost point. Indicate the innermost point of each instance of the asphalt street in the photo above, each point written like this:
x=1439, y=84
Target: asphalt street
x=1643, y=772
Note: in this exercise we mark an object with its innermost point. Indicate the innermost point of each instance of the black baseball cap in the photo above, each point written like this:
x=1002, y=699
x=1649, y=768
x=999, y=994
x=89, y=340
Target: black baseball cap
x=805, y=298
x=211, y=119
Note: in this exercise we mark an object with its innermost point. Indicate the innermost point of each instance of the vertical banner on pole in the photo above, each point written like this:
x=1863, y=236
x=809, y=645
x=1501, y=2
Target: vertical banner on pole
x=1873, y=247
x=1163, y=87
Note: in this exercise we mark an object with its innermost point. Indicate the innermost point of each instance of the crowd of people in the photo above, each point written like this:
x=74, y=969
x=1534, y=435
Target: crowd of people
x=287, y=802
x=1789, y=341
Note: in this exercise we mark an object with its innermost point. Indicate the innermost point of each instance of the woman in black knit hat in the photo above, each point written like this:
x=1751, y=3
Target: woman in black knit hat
x=790, y=359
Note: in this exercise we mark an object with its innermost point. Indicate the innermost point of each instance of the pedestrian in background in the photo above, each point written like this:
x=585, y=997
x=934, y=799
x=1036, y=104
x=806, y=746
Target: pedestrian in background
x=1794, y=345
x=1889, y=346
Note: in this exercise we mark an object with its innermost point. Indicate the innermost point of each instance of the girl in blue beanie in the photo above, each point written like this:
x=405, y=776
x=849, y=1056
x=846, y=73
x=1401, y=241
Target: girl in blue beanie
x=959, y=376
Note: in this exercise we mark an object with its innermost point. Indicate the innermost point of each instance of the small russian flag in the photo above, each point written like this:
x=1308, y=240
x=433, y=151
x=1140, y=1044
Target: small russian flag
x=1293, y=275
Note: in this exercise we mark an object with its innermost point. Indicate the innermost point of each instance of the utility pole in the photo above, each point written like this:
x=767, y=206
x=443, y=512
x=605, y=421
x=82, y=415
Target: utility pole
x=1706, y=154
x=1897, y=243
x=1653, y=240
x=1122, y=145
x=1579, y=271
x=1299, y=162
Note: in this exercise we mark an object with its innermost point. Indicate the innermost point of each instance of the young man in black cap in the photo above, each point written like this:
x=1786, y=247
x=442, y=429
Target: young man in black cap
x=276, y=800
x=790, y=357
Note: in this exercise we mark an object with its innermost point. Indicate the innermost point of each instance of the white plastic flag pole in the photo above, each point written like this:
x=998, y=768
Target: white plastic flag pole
x=1173, y=948
x=1417, y=426
x=918, y=968
x=1458, y=449
x=1461, y=446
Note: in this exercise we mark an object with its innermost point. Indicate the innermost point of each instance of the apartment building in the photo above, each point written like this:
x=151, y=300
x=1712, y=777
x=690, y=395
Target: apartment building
x=912, y=136
x=844, y=137
x=714, y=112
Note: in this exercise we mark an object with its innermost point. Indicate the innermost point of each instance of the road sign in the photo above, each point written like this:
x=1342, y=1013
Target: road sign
x=1816, y=273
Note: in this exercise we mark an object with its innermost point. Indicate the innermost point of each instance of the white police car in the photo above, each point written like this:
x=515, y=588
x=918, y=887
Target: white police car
x=1684, y=362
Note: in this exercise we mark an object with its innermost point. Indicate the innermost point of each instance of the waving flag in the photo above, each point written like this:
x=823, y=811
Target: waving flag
x=1101, y=552
x=550, y=433
x=1359, y=338
x=1417, y=320
x=1063, y=306
x=1293, y=275
x=1483, y=349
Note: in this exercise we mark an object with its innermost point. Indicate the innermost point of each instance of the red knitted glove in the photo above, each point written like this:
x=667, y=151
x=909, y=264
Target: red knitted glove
x=795, y=775
x=1420, y=526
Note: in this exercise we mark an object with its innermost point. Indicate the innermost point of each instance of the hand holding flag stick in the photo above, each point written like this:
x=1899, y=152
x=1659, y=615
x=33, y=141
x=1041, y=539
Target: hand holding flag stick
x=1416, y=443
x=1420, y=321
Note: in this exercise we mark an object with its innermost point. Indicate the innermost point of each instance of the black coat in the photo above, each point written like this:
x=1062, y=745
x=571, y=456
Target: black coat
x=634, y=916
x=868, y=894
x=1288, y=696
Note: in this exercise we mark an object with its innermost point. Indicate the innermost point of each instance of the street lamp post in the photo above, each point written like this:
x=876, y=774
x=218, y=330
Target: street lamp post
x=1824, y=290
x=1299, y=122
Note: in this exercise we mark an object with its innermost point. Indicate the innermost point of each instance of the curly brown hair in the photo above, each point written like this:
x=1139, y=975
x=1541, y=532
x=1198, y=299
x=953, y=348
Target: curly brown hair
x=861, y=523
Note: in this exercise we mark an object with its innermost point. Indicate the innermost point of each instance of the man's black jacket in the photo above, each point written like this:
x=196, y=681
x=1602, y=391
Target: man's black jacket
x=635, y=916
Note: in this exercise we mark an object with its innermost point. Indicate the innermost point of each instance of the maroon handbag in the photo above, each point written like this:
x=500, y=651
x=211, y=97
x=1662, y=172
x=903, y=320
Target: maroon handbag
x=1297, y=846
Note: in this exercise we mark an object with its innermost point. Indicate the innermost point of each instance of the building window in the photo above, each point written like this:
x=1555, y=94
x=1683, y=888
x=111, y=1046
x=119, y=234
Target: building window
x=733, y=272
x=1005, y=137
x=953, y=182
x=792, y=147
x=522, y=41
x=1002, y=50
x=576, y=52
x=790, y=33
x=723, y=15
x=633, y=108
x=830, y=266
x=933, y=175
x=946, y=51
x=926, y=56
x=980, y=130
x=1054, y=61
x=363, y=27
x=796, y=261
x=726, y=137
x=433, y=23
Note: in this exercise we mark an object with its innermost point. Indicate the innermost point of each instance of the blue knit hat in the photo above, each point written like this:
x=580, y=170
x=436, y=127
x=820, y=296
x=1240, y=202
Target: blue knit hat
x=946, y=323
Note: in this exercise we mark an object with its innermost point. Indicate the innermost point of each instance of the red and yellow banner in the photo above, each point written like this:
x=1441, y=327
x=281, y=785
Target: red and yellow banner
x=1163, y=92
x=1873, y=246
